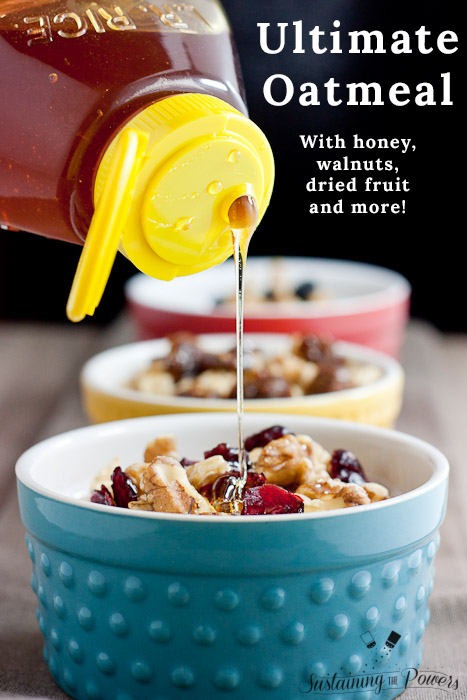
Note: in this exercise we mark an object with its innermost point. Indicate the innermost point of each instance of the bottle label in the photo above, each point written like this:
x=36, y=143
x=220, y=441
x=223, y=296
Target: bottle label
x=47, y=22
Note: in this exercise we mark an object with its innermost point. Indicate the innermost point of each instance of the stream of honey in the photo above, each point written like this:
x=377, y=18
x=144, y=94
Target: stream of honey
x=243, y=218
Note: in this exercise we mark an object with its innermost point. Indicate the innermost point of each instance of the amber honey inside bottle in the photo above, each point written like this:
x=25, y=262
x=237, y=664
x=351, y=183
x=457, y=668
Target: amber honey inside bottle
x=72, y=73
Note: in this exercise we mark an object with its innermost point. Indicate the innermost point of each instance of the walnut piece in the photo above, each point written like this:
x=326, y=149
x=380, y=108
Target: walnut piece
x=293, y=369
x=314, y=451
x=212, y=383
x=140, y=504
x=363, y=373
x=315, y=505
x=331, y=494
x=354, y=495
x=135, y=472
x=163, y=446
x=168, y=490
x=255, y=454
x=154, y=381
x=201, y=473
x=375, y=491
x=320, y=487
x=284, y=462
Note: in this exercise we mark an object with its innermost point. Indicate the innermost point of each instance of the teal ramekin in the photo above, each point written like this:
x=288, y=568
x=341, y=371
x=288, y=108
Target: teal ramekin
x=145, y=606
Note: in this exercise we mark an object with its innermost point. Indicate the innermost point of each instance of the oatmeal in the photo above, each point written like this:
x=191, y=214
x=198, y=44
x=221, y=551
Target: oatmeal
x=309, y=367
x=287, y=473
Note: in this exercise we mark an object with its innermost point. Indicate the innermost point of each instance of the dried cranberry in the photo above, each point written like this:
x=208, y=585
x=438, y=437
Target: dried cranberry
x=206, y=490
x=123, y=488
x=102, y=496
x=187, y=462
x=230, y=454
x=270, y=499
x=254, y=479
x=346, y=467
x=261, y=439
x=213, y=489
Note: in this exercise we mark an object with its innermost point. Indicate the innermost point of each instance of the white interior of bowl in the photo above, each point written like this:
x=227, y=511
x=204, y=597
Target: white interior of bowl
x=351, y=288
x=64, y=466
x=110, y=371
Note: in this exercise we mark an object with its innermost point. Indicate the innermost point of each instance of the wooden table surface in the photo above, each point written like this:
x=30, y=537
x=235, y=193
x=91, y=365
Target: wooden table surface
x=39, y=397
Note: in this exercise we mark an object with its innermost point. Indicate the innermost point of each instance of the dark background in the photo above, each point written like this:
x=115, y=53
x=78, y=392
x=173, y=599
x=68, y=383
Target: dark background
x=425, y=243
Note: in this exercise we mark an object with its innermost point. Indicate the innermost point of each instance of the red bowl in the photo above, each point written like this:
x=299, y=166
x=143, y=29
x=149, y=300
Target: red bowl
x=362, y=303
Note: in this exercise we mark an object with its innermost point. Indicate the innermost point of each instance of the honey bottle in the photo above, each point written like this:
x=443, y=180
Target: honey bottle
x=123, y=127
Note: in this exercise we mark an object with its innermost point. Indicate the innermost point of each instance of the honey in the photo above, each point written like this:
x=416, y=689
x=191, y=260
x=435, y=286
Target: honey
x=75, y=71
x=243, y=217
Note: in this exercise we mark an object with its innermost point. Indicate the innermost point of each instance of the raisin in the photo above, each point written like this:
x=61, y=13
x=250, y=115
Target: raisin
x=223, y=360
x=313, y=349
x=327, y=380
x=274, y=388
x=252, y=381
x=184, y=356
x=304, y=290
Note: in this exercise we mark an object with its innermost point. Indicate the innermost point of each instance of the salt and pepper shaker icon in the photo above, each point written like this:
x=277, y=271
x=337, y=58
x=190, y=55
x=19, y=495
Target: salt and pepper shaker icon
x=368, y=640
x=383, y=655
x=390, y=642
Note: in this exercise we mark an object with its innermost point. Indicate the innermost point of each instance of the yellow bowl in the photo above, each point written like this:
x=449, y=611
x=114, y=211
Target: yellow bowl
x=106, y=396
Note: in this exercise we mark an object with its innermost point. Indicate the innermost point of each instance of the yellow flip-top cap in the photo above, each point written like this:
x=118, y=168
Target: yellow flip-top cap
x=163, y=191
